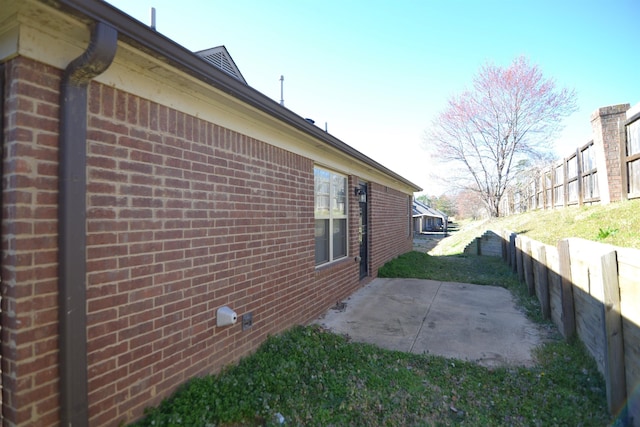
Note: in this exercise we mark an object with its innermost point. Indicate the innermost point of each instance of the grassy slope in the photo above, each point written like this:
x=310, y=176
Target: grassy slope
x=616, y=224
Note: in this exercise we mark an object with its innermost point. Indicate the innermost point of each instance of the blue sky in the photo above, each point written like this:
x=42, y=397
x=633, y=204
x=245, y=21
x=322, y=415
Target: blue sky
x=377, y=72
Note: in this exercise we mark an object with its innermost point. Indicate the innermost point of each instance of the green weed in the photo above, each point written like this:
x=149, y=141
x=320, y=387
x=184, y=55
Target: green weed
x=308, y=376
x=603, y=233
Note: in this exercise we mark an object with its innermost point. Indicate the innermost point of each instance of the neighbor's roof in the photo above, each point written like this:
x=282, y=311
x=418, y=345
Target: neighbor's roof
x=422, y=209
x=148, y=40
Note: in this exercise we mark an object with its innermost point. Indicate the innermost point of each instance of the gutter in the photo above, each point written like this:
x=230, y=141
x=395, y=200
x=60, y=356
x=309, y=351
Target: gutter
x=2, y=292
x=72, y=222
x=144, y=38
x=2, y=287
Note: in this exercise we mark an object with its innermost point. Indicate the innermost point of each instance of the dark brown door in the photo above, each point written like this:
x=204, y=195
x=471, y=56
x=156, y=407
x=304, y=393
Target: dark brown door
x=362, y=232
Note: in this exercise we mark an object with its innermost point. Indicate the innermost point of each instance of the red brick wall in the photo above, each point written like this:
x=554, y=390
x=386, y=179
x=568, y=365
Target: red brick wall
x=29, y=244
x=183, y=217
x=390, y=231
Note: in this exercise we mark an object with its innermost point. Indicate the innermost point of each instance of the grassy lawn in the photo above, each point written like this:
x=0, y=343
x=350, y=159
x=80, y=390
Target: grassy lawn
x=615, y=224
x=452, y=268
x=308, y=376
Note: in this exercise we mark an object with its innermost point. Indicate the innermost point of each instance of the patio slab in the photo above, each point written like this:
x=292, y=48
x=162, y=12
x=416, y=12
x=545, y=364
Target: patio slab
x=456, y=320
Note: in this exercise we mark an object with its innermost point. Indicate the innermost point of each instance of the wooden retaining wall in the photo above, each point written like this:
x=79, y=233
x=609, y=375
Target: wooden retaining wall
x=592, y=291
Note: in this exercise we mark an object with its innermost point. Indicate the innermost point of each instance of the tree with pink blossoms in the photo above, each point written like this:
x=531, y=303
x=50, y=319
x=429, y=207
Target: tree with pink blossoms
x=511, y=114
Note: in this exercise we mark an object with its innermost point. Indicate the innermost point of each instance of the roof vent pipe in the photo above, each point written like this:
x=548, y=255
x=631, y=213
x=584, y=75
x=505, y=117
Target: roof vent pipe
x=72, y=222
x=153, y=18
x=282, y=90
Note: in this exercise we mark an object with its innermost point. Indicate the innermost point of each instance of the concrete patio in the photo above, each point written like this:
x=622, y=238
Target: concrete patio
x=456, y=320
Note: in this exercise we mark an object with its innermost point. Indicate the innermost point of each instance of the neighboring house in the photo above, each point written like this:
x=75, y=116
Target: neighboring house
x=144, y=189
x=426, y=218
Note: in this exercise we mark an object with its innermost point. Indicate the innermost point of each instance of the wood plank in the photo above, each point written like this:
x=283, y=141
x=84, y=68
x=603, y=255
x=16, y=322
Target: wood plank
x=555, y=283
x=527, y=264
x=568, y=327
x=505, y=245
x=512, y=251
x=606, y=272
x=629, y=284
x=542, y=281
x=519, y=267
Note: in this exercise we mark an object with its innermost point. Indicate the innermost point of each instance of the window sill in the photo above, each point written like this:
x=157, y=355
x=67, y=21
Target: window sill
x=333, y=263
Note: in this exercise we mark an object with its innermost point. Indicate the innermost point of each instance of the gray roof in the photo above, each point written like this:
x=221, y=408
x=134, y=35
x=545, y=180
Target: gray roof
x=422, y=209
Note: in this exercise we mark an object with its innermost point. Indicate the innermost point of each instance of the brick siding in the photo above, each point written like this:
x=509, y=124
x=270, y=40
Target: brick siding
x=29, y=244
x=183, y=217
x=608, y=130
x=389, y=224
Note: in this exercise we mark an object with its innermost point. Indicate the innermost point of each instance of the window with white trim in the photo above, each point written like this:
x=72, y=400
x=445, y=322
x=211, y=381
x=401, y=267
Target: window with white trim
x=330, y=215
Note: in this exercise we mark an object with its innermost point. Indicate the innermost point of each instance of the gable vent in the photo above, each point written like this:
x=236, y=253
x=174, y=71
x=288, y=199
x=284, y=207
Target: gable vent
x=219, y=57
x=219, y=60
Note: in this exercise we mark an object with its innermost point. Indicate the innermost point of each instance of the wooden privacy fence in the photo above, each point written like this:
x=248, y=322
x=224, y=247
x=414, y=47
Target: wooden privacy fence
x=592, y=291
x=571, y=181
x=604, y=170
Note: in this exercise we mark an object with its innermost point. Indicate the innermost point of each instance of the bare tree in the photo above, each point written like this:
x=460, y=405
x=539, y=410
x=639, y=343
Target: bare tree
x=469, y=205
x=510, y=114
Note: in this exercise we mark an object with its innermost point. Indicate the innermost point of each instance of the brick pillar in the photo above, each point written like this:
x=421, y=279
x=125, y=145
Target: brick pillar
x=608, y=139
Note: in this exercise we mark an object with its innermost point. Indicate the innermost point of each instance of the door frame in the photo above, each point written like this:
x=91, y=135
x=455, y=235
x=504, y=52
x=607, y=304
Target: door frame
x=363, y=228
